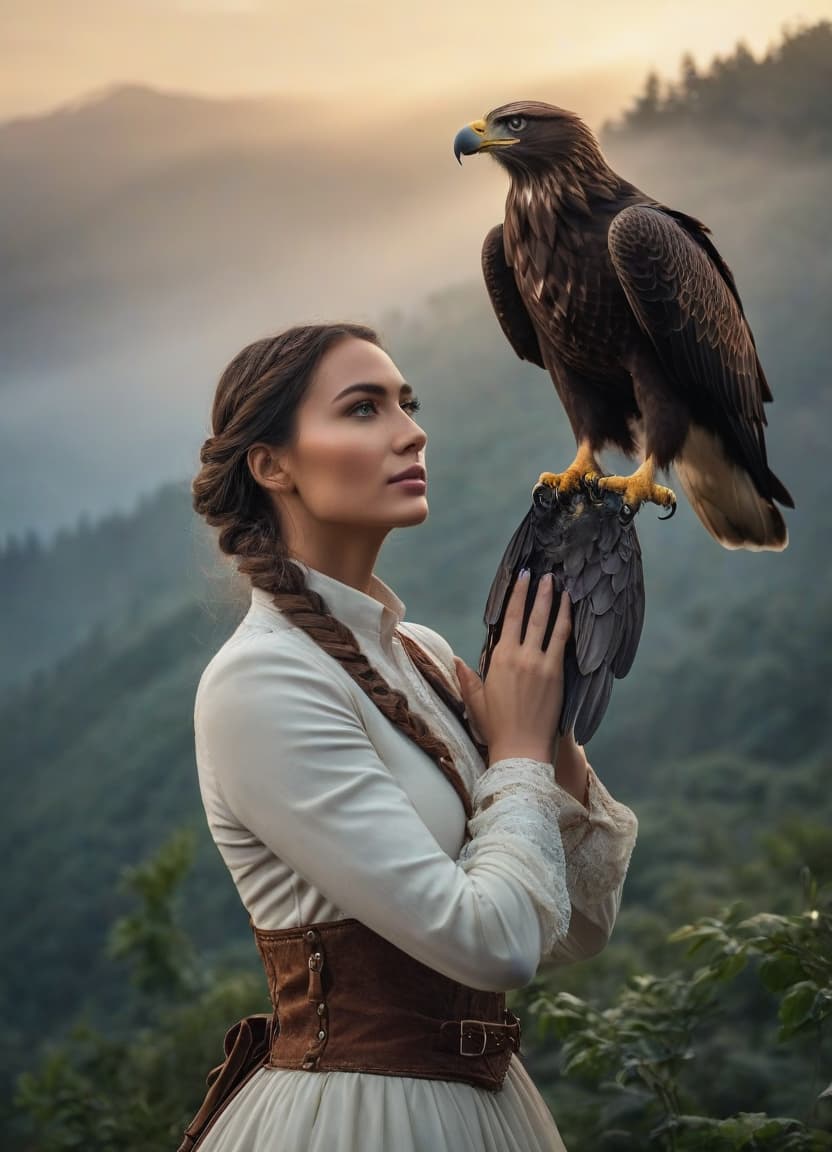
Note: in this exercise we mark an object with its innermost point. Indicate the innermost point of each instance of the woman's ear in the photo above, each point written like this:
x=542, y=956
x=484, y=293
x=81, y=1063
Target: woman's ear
x=269, y=468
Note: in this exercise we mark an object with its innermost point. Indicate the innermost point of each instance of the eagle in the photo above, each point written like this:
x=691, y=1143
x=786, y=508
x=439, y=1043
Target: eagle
x=635, y=315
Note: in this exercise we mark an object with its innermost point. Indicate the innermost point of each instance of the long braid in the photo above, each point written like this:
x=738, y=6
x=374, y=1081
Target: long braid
x=439, y=683
x=256, y=401
x=271, y=569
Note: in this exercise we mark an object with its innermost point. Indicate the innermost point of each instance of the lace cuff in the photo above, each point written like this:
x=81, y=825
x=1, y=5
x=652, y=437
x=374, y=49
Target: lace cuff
x=516, y=816
x=597, y=842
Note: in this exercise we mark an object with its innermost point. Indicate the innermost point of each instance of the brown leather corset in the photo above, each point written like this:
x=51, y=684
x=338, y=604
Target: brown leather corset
x=346, y=999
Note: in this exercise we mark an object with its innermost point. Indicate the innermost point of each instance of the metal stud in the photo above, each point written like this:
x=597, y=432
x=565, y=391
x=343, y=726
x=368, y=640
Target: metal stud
x=322, y=1035
x=321, y=1008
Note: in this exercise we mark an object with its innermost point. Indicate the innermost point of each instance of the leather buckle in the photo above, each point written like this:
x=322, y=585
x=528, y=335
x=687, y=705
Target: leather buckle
x=462, y=1037
x=513, y=1022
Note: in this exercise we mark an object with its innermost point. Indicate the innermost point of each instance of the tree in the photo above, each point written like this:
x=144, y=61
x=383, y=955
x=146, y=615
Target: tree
x=634, y=1055
x=137, y=1089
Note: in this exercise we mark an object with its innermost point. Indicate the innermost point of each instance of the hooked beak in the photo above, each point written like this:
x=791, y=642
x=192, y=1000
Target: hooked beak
x=474, y=138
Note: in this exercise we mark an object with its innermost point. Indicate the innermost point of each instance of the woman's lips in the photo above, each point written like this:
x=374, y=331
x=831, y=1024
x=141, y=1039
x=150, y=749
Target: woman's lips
x=411, y=484
x=414, y=472
x=412, y=479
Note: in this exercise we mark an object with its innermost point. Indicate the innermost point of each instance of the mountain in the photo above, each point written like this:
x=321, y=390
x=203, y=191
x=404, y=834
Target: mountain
x=145, y=237
x=718, y=737
x=98, y=756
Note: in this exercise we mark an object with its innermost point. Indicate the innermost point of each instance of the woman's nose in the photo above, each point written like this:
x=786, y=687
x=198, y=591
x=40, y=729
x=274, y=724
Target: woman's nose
x=412, y=435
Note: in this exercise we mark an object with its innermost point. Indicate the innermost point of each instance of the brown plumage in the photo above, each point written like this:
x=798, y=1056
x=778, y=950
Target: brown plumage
x=637, y=319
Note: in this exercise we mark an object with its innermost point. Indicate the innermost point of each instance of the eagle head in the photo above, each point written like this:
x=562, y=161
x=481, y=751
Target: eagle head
x=528, y=136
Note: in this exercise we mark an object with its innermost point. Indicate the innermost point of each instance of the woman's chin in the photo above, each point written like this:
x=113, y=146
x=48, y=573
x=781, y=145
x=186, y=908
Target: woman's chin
x=415, y=515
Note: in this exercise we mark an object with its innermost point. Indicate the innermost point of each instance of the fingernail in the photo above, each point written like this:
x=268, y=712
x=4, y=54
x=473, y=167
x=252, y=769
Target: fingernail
x=524, y=574
x=547, y=577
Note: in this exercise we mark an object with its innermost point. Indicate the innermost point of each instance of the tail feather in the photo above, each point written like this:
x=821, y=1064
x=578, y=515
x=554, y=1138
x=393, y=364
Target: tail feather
x=779, y=491
x=725, y=499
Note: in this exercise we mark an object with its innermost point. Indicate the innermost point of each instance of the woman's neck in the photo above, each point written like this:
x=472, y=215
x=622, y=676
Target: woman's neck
x=343, y=555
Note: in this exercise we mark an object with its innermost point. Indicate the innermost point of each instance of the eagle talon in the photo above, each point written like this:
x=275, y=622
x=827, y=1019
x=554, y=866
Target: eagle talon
x=593, y=488
x=627, y=514
x=544, y=495
x=670, y=514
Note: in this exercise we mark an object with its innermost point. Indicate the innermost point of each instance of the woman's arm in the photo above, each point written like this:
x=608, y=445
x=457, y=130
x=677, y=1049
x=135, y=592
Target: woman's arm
x=598, y=835
x=571, y=768
x=279, y=731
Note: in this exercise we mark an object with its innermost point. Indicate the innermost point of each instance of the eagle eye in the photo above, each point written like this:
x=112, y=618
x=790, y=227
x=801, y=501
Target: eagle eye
x=516, y=123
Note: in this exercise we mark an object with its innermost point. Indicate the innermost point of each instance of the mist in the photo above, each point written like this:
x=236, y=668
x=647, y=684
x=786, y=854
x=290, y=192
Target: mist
x=146, y=238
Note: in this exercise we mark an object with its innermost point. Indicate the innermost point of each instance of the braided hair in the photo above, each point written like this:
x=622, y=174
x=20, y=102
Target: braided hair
x=256, y=401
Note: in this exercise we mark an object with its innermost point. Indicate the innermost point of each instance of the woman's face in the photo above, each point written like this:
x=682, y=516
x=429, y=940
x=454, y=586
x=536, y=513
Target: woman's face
x=354, y=434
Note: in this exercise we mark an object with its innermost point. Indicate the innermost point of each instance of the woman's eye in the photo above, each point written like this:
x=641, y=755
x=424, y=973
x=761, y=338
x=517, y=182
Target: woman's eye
x=412, y=406
x=363, y=408
x=516, y=123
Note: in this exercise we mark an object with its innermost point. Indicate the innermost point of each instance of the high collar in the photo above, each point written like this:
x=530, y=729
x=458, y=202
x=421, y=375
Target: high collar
x=375, y=615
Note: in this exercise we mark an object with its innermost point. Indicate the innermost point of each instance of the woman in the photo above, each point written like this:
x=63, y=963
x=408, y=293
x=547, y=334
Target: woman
x=397, y=883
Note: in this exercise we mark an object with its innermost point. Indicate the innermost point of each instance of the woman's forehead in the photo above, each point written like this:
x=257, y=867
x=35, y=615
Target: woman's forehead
x=353, y=361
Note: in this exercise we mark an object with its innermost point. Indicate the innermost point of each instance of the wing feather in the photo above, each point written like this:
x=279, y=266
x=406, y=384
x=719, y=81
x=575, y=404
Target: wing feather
x=685, y=300
x=595, y=555
x=506, y=300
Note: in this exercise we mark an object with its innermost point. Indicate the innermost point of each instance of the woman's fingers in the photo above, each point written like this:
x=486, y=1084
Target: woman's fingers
x=541, y=610
x=473, y=698
x=561, y=630
x=538, y=617
x=513, y=619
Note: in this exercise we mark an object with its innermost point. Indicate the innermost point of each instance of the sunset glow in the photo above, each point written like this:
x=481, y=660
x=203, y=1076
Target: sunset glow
x=374, y=49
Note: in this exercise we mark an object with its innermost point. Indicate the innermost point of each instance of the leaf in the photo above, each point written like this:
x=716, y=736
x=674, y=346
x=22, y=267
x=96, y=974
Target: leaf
x=797, y=1005
x=702, y=933
x=730, y=966
x=767, y=923
x=584, y=1063
x=780, y=972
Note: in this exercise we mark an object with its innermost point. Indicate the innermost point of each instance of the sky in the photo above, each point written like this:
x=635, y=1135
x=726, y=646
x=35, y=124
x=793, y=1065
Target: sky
x=57, y=51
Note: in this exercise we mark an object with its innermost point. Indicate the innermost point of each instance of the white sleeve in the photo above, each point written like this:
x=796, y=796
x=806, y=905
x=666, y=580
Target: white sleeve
x=293, y=762
x=598, y=842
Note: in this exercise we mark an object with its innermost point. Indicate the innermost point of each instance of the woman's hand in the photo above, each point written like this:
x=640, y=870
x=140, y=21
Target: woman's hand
x=517, y=708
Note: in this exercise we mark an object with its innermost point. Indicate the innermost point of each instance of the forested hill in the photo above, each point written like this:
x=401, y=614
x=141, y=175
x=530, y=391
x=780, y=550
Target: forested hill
x=783, y=98
x=123, y=568
x=719, y=737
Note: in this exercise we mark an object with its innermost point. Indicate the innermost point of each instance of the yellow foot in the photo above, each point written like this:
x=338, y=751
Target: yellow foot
x=639, y=489
x=569, y=481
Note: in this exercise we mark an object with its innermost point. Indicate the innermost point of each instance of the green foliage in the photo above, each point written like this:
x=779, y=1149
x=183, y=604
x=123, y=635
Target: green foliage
x=646, y=1047
x=43, y=617
x=138, y=1089
x=159, y=952
x=719, y=738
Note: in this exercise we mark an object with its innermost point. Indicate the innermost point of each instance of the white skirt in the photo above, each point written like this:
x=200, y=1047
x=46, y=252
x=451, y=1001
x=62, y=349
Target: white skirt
x=282, y=1110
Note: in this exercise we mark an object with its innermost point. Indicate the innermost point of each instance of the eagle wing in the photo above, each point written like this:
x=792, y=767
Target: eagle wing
x=506, y=300
x=685, y=300
x=517, y=555
x=593, y=552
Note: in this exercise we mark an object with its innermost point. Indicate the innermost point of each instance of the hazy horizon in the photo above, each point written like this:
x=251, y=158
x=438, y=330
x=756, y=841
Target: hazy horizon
x=53, y=54
x=145, y=240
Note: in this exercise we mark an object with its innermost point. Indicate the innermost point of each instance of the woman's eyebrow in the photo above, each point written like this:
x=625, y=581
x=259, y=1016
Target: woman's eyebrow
x=374, y=389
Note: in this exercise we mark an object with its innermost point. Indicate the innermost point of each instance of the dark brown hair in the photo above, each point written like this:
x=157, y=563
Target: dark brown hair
x=256, y=400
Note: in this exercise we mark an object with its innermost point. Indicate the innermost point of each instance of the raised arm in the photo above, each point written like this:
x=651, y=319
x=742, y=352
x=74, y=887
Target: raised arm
x=598, y=835
x=279, y=730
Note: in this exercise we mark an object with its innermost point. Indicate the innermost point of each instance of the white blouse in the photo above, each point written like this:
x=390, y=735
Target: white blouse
x=322, y=809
